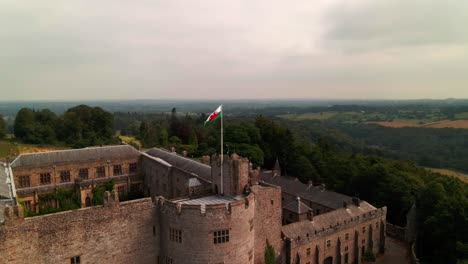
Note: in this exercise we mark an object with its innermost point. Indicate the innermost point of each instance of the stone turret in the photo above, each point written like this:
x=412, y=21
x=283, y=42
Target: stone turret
x=277, y=169
x=235, y=174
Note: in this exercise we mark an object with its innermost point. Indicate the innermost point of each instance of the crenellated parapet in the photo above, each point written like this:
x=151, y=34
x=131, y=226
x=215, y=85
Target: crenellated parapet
x=214, y=228
x=302, y=232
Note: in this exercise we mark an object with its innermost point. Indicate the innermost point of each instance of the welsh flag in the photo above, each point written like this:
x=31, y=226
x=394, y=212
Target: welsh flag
x=215, y=115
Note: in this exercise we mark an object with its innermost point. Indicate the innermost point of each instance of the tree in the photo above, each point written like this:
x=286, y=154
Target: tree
x=269, y=253
x=24, y=122
x=193, y=140
x=2, y=127
x=84, y=126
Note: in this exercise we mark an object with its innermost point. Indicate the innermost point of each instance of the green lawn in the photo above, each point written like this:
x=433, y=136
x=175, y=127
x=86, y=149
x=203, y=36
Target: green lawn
x=11, y=148
x=463, y=115
x=7, y=148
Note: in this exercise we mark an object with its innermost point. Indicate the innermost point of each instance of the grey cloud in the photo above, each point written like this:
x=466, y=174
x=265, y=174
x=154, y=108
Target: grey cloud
x=396, y=23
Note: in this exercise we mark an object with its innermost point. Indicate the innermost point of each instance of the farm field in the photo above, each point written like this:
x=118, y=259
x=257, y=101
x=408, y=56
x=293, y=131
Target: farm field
x=309, y=116
x=440, y=124
x=451, y=173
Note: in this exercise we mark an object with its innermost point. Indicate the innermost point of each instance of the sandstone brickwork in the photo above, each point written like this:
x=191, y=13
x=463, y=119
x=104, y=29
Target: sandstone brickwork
x=122, y=233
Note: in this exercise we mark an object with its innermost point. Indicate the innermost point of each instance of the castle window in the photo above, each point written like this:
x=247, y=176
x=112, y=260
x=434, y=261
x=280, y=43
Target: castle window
x=118, y=169
x=328, y=243
x=377, y=225
x=221, y=236
x=28, y=206
x=45, y=178
x=346, y=248
x=308, y=252
x=121, y=191
x=272, y=202
x=24, y=181
x=175, y=235
x=101, y=171
x=65, y=176
x=346, y=258
x=363, y=241
x=132, y=167
x=75, y=260
x=363, y=229
x=83, y=173
x=347, y=236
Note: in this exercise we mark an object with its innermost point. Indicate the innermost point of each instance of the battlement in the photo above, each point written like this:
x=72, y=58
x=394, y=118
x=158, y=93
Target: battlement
x=213, y=204
x=344, y=218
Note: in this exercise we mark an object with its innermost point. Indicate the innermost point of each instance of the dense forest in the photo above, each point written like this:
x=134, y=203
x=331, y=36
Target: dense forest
x=336, y=156
x=79, y=126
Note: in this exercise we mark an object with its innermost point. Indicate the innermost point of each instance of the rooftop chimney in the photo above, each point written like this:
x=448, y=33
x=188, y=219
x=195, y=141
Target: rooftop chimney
x=356, y=201
x=298, y=204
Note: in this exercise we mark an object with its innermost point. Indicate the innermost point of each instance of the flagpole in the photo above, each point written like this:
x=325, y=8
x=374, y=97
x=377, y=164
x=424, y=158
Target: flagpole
x=222, y=152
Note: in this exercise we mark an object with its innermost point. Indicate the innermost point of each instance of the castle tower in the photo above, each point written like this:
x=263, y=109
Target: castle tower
x=235, y=173
x=277, y=169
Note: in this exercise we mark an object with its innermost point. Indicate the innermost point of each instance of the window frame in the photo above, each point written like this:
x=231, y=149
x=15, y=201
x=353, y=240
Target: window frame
x=117, y=169
x=45, y=178
x=132, y=167
x=83, y=175
x=75, y=259
x=221, y=236
x=175, y=235
x=65, y=176
x=101, y=172
x=24, y=181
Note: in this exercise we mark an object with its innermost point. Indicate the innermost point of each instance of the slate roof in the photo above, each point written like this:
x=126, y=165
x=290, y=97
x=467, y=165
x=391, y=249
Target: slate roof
x=326, y=220
x=314, y=194
x=297, y=207
x=210, y=200
x=186, y=164
x=74, y=155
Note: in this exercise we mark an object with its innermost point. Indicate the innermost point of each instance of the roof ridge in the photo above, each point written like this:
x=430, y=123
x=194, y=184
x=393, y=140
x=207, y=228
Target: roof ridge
x=77, y=149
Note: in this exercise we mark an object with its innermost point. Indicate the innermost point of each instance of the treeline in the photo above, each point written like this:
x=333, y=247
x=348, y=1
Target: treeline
x=439, y=148
x=3, y=127
x=79, y=126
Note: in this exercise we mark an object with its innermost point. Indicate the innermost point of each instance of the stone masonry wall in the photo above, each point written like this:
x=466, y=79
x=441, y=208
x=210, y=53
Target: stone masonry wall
x=267, y=222
x=197, y=226
x=121, y=233
x=340, y=246
x=73, y=167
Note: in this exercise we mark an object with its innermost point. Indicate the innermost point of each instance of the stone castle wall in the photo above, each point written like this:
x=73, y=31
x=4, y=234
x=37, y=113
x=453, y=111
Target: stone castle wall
x=117, y=233
x=340, y=246
x=197, y=225
x=267, y=222
x=162, y=179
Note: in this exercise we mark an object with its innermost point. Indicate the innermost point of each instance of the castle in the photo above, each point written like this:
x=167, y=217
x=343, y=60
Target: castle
x=182, y=217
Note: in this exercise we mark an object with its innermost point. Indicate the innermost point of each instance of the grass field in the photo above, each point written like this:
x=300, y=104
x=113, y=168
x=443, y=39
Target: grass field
x=451, y=173
x=439, y=124
x=463, y=115
x=10, y=148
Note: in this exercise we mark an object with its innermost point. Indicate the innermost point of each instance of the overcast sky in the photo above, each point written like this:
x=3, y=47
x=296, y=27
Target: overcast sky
x=121, y=49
